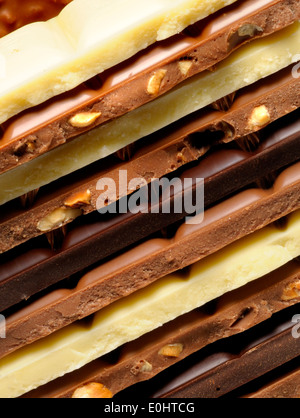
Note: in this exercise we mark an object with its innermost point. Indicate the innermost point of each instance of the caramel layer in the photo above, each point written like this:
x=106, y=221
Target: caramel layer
x=44, y=59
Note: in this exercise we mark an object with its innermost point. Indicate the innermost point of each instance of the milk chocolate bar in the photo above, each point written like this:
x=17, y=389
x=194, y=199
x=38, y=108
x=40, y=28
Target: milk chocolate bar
x=274, y=53
x=225, y=170
x=69, y=45
x=157, y=155
x=135, y=315
x=141, y=266
x=223, y=367
x=140, y=360
x=38, y=130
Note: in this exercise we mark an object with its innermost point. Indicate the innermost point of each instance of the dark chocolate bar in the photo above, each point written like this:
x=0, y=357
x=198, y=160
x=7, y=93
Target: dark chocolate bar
x=124, y=88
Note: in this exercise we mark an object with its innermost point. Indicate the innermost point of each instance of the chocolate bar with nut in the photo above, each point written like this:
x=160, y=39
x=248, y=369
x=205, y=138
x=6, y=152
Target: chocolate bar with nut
x=154, y=354
x=75, y=305
x=124, y=88
x=225, y=169
x=139, y=267
x=75, y=345
x=153, y=157
x=70, y=44
x=275, y=52
x=222, y=368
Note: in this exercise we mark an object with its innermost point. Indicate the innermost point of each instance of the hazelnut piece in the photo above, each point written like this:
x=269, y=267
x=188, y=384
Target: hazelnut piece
x=142, y=366
x=185, y=66
x=250, y=30
x=58, y=218
x=171, y=350
x=84, y=119
x=78, y=199
x=155, y=81
x=292, y=291
x=92, y=391
x=259, y=117
x=243, y=33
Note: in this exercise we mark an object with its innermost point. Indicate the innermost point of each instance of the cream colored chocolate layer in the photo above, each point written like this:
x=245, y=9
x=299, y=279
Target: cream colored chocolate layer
x=82, y=342
x=251, y=63
x=44, y=59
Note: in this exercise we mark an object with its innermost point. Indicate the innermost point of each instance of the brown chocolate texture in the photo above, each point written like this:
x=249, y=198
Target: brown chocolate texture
x=157, y=155
x=225, y=169
x=229, y=315
x=249, y=210
x=124, y=87
x=283, y=383
x=134, y=269
x=230, y=364
x=17, y=13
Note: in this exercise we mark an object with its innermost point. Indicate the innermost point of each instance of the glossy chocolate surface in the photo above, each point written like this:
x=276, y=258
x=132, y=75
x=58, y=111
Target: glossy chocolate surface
x=229, y=364
x=136, y=268
x=226, y=170
x=157, y=155
x=124, y=88
x=231, y=314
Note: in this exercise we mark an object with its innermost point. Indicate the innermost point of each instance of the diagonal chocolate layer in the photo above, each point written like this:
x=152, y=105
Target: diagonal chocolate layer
x=283, y=383
x=137, y=268
x=17, y=13
x=156, y=155
x=74, y=346
x=140, y=360
x=84, y=41
x=274, y=53
x=225, y=171
x=229, y=364
x=125, y=87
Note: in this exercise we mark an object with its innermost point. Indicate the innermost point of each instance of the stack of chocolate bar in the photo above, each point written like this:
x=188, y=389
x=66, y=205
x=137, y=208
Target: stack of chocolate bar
x=150, y=198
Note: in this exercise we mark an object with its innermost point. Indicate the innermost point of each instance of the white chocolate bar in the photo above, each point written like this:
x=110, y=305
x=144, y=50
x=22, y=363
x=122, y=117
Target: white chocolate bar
x=252, y=62
x=131, y=317
x=45, y=59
